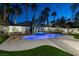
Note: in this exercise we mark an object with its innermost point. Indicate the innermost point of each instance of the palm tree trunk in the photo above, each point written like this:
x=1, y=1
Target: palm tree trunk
x=15, y=19
x=4, y=13
x=33, y=25
x=54, y=20
x=26, y=13
x=9, y=19
x=47, y=21
x=31, y=28
x=72, y=17
x=16, y=13
x=34, y=14
x=43, y=26
x=11, y=16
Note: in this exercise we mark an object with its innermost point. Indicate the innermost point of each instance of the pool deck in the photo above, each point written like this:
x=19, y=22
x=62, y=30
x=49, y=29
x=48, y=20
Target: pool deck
x=66, y=43
x=21, y=44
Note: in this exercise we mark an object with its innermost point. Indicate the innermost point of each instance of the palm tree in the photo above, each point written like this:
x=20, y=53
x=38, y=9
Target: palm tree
x=68, y=23
x=62, y=21
x=18, y=11
x=10, y=12
x=34, y=8
x=4, y=13
x=42, y=20
x=54, y=14
x=1, y=14
x=53, y=23
x=44, y=15
x=41, y=24
x=77, y=18
x=47, y=10
x=27, y=6
x=4, y=8
x=73, y=9
x=77, y=14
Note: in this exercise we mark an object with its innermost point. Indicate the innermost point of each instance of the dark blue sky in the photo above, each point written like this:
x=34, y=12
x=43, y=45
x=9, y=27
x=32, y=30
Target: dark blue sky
x=62, y=9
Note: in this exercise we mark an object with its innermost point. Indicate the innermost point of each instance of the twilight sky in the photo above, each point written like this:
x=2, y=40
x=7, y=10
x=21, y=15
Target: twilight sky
x=62, y=9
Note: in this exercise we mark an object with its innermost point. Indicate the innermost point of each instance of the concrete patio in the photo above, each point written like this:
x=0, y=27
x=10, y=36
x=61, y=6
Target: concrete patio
x=22, y=44
x=66, y=43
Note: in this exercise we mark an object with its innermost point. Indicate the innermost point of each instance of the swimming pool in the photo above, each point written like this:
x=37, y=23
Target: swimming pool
x=41, y=36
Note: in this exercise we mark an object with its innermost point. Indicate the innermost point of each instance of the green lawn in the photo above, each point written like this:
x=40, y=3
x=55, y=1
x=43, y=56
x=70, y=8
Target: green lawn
x=75, y=36
x=39, y=51
x=3, y=38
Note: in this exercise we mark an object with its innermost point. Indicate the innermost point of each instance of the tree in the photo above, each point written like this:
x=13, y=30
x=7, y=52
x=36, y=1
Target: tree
x=73, y=9
x=47, y=10
x=77, y=14
x=10, y=13
x=27, y=6
x=53, y=23
x=42, y=20
x=17, y=12
x=62, y=21
x=54, y=14
x=4, y=13
x=1, y=14
x=33, y=8
x=77, y=19
x=44, y=15
x=41, y=23
x=68, y=23
x=4, y=9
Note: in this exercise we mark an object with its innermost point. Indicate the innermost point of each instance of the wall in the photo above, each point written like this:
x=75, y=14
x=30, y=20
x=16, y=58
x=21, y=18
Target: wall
x=24, y=29
x=63, y=30
x=16, y=29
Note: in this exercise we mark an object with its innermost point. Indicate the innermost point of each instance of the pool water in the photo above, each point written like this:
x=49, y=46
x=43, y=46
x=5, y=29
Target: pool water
x=41, y=37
